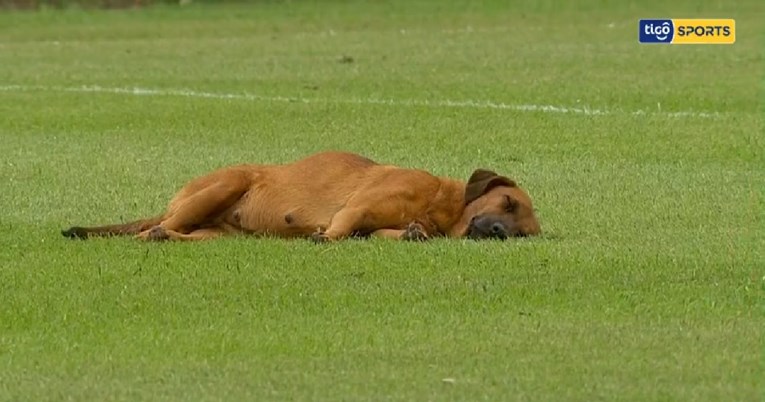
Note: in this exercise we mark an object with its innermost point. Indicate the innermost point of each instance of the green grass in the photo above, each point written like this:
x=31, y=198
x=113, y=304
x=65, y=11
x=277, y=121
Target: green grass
x=647, y=285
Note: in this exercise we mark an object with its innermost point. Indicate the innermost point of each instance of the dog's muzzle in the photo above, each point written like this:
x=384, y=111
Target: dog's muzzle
x=487, y=227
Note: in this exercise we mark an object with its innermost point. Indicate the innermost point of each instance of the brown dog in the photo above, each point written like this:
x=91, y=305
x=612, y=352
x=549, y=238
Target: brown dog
x=332, y=195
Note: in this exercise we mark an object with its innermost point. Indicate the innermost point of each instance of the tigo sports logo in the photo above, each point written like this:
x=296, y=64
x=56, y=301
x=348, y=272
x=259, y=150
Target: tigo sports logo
x=687, y=31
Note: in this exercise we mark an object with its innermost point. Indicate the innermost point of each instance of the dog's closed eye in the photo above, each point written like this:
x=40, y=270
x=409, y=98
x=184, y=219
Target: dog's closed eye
x=510, y=204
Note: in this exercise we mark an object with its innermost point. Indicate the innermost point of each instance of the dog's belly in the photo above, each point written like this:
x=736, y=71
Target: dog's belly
x=274, y=215
x=297, y=199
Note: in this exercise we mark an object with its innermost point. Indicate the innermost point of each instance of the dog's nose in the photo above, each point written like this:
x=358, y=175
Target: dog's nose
x=497, y=229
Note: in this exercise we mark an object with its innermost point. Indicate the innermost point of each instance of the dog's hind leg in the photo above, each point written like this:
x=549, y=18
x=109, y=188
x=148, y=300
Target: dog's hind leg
x=157, y=233
x=204, y=204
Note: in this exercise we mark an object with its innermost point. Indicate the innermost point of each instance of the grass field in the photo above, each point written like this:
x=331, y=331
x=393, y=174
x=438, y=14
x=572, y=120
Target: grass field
x=645, y=163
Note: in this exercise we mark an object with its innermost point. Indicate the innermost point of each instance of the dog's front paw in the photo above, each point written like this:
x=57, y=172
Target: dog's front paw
x=414, y=232
x=319, y=236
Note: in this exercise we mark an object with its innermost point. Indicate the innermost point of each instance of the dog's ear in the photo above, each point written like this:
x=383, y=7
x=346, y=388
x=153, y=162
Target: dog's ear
x=483, y=180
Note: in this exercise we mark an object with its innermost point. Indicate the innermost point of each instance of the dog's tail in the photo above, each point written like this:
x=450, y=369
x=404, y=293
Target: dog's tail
x=124, y=229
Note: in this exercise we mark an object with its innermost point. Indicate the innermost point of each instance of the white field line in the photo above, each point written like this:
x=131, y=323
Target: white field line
x=472, y=104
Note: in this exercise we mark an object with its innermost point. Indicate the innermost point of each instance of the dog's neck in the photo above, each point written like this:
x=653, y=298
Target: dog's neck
x=450, y=204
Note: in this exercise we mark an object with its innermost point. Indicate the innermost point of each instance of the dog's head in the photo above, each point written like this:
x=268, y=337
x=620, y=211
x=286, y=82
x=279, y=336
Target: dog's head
x=496, y=208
